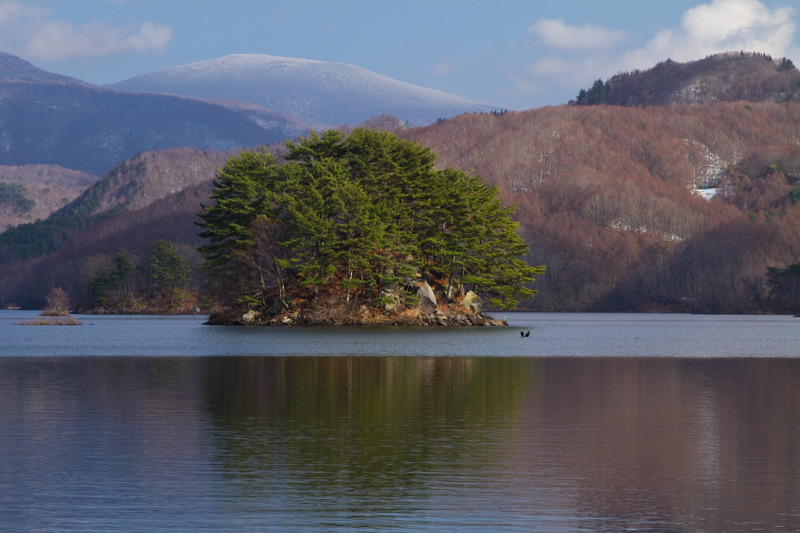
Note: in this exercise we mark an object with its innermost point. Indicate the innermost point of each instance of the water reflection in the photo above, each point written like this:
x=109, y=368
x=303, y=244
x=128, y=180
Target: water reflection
x=671, y=444
x=379, y=436
x=401, y=443
x=609, y=443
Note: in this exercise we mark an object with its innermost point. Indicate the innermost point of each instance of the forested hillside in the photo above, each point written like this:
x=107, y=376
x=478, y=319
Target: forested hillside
x=132, y=185
x=152, y=196
x=606, y=199
x=31, y=192
x=89, y=254
x=728, y=77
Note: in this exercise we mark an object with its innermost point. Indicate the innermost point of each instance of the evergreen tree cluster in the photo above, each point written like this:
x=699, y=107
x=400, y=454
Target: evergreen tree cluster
x=160, y=278
x=358, y=220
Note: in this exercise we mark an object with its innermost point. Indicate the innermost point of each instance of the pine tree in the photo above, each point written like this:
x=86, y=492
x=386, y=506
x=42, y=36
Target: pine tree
x=243, y=196
x=167, y=268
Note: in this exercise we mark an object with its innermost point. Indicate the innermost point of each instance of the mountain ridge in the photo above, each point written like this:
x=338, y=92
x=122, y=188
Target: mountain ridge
x=47, y=118
x=13, y=68
x=304, y=88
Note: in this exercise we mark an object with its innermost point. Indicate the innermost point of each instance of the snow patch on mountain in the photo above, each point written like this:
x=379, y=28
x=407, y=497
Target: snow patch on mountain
x=318, y=92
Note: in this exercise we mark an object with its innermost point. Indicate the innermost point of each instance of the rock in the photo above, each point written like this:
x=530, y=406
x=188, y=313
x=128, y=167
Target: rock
x=472, y=302
x=249, y=317
x=427, y=300
x=425, y=291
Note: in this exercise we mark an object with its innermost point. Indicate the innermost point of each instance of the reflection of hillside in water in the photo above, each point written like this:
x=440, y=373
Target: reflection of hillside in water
x=90, y=442
x=666, y=443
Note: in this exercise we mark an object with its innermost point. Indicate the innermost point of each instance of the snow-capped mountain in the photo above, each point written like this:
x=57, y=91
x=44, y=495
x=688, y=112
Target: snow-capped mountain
x=317, y=92
x=46, y=118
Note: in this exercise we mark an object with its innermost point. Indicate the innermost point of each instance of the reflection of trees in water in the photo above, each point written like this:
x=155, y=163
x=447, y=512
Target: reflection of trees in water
x=366, y=426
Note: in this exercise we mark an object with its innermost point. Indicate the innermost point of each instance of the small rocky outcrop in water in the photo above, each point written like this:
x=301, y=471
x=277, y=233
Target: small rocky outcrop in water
x=464, y=311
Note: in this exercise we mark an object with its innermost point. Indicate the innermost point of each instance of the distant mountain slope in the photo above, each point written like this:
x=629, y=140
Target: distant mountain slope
x=319, y=92
x=606, y=197
x=145, y=178
x=51, y=119
x=727, y=77
x=12, y=68
x=32, y=192
x=134, y=184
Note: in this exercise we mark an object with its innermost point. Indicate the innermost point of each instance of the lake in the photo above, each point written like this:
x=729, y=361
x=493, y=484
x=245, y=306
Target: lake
x=595, y=422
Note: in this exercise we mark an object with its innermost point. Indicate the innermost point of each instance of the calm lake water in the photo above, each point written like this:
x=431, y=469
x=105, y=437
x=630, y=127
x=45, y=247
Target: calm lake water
x=596, y=422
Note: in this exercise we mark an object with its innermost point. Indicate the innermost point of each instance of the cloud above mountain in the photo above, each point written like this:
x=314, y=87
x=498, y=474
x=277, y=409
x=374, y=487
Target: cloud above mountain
x=556, y=34
x=35, y=33
x=575, y=54
x=720, y=26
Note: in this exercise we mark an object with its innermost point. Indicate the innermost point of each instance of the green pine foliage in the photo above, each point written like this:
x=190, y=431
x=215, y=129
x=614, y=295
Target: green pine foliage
x=12, y=196
x=115, y=282
x=354, y=219
x=167, y=268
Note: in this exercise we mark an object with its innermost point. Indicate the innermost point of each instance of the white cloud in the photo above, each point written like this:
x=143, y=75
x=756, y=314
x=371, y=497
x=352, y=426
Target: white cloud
x=719, y=26
x=556, y=34
x=33, y=33
x=60, y=40
x=446, y=67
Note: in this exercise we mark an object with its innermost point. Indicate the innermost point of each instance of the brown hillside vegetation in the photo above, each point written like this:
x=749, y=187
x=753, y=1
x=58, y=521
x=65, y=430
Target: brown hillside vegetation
x=141, y=180
x=727, y=77
x=604, y=195
x=152, y=196
x=43, y=190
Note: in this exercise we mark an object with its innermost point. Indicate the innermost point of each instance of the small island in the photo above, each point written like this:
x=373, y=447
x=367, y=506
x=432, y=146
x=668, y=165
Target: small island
x=56, y=313
x=359, y=229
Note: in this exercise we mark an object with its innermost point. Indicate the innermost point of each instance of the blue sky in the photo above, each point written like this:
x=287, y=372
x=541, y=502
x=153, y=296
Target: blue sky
x=517, y=54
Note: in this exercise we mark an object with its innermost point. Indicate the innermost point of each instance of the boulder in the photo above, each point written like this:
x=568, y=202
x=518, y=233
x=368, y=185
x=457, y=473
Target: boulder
x=427, y=299
x=425, y=291
x=472, y=302
x=249, y=317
